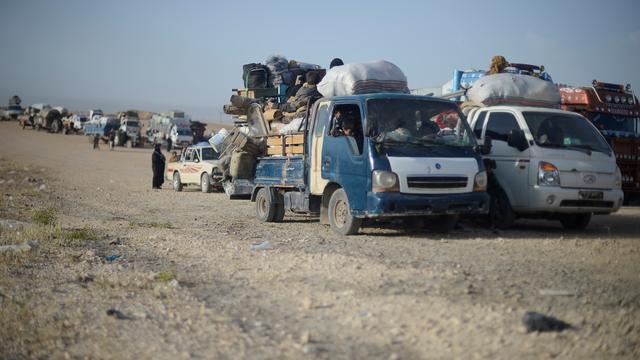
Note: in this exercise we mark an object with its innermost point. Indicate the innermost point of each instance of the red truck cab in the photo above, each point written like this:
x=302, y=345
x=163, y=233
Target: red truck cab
x=615, y=111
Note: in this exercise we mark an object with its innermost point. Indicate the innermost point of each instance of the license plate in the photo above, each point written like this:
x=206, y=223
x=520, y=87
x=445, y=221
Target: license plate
x=591, y=195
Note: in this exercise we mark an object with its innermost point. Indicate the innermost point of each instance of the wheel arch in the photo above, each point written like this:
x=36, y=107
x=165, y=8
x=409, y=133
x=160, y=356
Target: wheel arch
x=329, y=189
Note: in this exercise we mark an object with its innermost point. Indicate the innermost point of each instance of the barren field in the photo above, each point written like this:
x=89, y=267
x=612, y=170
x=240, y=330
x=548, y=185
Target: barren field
x=125, y=272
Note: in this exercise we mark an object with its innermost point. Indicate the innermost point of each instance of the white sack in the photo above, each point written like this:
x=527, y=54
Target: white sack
x=362, y=78
x=514, y=89
x=292, y=127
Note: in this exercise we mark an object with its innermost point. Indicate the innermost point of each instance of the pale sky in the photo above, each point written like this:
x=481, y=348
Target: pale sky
x=161, y=55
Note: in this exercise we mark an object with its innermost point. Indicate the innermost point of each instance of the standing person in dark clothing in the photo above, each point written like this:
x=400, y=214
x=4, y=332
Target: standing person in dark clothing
x=169, y=143
x=157, y=165
x=112, y=139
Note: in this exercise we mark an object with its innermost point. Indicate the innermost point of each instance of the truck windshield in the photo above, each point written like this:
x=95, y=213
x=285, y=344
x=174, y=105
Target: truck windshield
x=209, y=154
x=610, y=122
x=133, y=123
x=565, y=131
x=417, y=121
x=184, y=132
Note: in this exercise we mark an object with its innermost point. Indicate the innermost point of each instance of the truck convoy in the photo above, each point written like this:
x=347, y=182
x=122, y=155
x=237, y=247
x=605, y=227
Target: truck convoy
x=615, y=111
x=173, y=125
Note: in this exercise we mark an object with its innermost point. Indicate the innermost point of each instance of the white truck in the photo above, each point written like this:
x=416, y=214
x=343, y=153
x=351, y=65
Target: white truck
x=548, y=163
x=173, y=125
x=129, y=132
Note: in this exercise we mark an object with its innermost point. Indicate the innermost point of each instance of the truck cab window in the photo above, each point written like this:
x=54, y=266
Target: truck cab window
x=477, y=128
x=500, y=125
x=346, y=121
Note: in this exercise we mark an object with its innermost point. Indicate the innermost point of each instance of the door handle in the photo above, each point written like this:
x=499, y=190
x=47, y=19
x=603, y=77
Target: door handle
x=327, y=161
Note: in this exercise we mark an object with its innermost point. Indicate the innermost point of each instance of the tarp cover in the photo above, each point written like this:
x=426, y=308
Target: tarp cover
x=514, y=89
x=363, y=78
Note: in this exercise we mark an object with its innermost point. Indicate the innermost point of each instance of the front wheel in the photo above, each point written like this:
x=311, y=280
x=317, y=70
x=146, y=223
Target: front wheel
x=575, y=221
x=205, y=183
x=177, y=184
x=340, y=218
x=501, y=214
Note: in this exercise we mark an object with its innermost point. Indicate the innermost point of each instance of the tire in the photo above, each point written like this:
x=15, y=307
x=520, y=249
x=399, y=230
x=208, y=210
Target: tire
x=177, y=184
x=265, y=208
x=205, y=183
x=340, y=218
x=575, y=221
x=56, y=126
x=501, y=213
x=441, y=223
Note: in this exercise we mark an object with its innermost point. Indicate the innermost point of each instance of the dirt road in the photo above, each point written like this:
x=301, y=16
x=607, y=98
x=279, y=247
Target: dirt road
x=189, y=285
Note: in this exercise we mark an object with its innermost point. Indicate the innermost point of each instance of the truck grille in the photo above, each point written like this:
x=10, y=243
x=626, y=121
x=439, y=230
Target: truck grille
x=436, y=182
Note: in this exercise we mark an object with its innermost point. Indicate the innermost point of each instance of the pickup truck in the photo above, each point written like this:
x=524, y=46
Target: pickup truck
x=411, y=157
x=549, y=163
x=198, y=165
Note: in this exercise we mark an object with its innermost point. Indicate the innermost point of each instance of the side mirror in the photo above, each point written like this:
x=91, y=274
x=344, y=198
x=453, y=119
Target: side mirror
x=485, y=148
x=517, y=140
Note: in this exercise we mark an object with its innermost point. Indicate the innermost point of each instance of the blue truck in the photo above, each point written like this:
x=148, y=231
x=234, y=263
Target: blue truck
x=377, y=156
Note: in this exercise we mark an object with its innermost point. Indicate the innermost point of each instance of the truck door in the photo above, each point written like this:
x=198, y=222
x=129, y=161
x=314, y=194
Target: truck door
x=343, y=155
x=320, y=127
x=512, y=165
x=189, y=173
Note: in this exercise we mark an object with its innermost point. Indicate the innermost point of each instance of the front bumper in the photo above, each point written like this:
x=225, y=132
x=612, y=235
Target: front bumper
x=404, y=205
x=569, y=201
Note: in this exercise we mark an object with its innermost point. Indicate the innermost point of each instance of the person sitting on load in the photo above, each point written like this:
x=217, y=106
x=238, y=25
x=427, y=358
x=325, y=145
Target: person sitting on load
x=307, y=91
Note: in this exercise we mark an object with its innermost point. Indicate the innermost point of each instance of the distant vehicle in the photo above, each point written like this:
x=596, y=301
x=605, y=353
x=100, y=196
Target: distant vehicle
x=13, y=111
x=549, y=164
x=615, y=111
x=74, y=123
x=172, y=125
x=102, y=127
x=198, y=165
x=129, y=132
x=95, y=114
x=46, y=118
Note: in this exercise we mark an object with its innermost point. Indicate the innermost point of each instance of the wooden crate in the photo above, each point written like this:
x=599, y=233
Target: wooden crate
x=283, y=145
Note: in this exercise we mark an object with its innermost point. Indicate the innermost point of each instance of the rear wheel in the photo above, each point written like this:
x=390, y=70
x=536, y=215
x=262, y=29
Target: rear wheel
x=177, y=184
x=266, y=209
x=205, y=183
x=56, y=126
x=340, y=218
x=575, y=221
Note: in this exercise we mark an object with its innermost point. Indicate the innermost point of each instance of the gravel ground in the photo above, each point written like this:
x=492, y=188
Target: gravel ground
x=180, y=270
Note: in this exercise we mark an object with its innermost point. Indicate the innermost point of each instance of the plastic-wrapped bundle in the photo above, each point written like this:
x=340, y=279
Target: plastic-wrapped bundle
x=514, y=89
x=363, y=78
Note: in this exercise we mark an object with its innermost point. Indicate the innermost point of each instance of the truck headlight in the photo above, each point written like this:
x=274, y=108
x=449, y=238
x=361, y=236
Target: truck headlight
x=384, y=181
x=548, y=174
x=480, y=181
x=618, y=178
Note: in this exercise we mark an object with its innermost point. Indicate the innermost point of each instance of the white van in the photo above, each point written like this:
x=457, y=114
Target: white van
x=549, y=164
